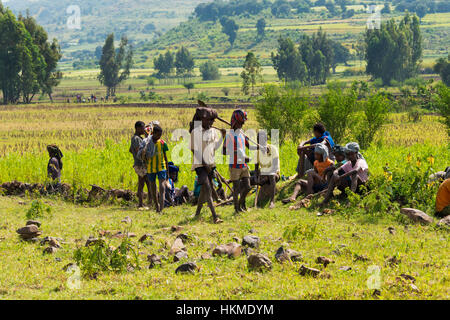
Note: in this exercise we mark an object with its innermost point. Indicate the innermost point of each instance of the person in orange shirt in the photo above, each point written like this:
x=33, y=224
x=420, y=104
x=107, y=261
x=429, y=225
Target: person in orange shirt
x=443, y=199
x=317, y=180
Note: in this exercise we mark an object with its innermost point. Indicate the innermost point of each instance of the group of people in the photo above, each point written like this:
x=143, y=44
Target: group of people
x=91, y=99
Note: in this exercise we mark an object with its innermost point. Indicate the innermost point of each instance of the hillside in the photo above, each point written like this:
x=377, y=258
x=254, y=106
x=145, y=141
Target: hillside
x=203, y=36
x=140, y=20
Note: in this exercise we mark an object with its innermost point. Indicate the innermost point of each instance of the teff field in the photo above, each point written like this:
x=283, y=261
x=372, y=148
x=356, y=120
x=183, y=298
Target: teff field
x=95, y=145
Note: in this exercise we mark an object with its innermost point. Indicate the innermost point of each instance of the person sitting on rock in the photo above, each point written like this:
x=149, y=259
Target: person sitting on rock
x=175, y=196
x=353, y=174
x=443, y=199
x=306, y=149
x=317, y=180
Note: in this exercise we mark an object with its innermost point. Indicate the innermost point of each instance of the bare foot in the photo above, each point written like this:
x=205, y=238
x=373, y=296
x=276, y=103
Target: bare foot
x=272, y=205
x=218, y=220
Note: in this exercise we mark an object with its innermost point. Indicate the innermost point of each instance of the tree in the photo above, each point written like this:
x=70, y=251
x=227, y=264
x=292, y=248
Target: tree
x=442, y=67
x=230, y=28
x=115, y=64
x=421, y=10
x=184, y=62
x=189, y=86
x=251, y=73
x=209, y=71
x=261, y=27
x=386, y=9
x=22, y=65
x=288, y=61
x=341, y=55
x=164, y=64
x=51, y=53
x=401, y=45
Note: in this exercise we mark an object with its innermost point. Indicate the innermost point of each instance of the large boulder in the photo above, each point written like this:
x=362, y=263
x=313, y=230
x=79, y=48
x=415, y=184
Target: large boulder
x=187, y=267
x=417, y=215
x=28, y=232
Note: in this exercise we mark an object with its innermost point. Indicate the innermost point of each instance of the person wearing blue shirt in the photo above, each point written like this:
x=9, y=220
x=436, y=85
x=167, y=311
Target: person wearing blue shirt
x=305, y=150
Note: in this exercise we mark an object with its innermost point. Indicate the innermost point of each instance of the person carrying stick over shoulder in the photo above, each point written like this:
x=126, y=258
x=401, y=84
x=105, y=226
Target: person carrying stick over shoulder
x=204, y=143
x=234, y=146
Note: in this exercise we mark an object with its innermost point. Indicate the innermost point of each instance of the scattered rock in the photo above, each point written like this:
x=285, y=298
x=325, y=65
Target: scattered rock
x=393, y=261
x=206, y=256
x=248, y=251
x=94, y=241
x=50, y=250
x=52, y=242
x=326, y=212
x=306, y=271
x=259, y=261
x=444, y=222
x=154, y=260
x=184, y=237
x=408, y=277
x=362, y=258
x=417, y=215
x=35, y=222
x=180, y=255
x=237, y=239
x=232, y=250
x=391, y=230
x=187, y=267
x=177, y=246
x=324, y=260
x=176, y=228
x=304, y=203
x=121, y=235
x=127, y=220
x=252, y=230
x=283, y=255
x=29, y=232
x=345, y=268
x=145, y=237
x=414, y=288
x=105, y=233
x=251, y=241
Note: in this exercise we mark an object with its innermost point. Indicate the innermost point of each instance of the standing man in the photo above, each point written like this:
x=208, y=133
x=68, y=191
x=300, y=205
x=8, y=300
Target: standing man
x=54, y=166
x=234, y=146
x=204, y=143
x=139, y=166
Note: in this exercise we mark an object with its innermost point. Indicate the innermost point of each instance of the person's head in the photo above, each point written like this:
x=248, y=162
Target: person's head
x=207, y=122
x=157, y=132
x=318, y=130
x=339, y=153
x=173, y=172
x=352, y=151
x=238, y=119
x=54, y=152
x=320, y=152
x=139, y=127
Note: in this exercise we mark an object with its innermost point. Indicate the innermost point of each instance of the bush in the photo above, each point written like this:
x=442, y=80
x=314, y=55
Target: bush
x=226, y=91
x=38, y=210
x=209, y=71
x=444, y=104
x=283, y=109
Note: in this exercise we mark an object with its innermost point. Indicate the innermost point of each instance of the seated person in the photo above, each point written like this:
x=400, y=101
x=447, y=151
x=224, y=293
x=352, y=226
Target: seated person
x=443, y=199
x=317, y=180
x=267, y=165
x=305, y=150
x=353, y=174
x=339, y=155
x=175, y=196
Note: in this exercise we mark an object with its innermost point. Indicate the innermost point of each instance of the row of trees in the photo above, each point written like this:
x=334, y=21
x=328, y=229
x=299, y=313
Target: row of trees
x=182, y=61
x=310, y=61
x=28, y=61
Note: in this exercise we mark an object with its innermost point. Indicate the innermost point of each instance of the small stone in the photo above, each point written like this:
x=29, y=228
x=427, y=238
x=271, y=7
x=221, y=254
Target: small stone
x=145, y=237
x=50, y=250
x=362, y=258
x=259, y=261
x=176, y=228
x=187, y=267
x=283, y=255
x=237, y=239
x=177, y=246
x=306, y=271
x=252, y=230
x=251, y=241
x=94, y=241
x=444, y=222
x=393, y=261
x=35, y=222
x=127, y=220
x=408, y=277
x=154, y=260
x=184, y=237
x=121, y=235
x=58, y=259
x=391, y=230
x=206, y=256
x=180, y=255
x=248, y=251
x=414, y=288
x=324, y=260
x=417, y=215
x=345, y=268
x=232, y=250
